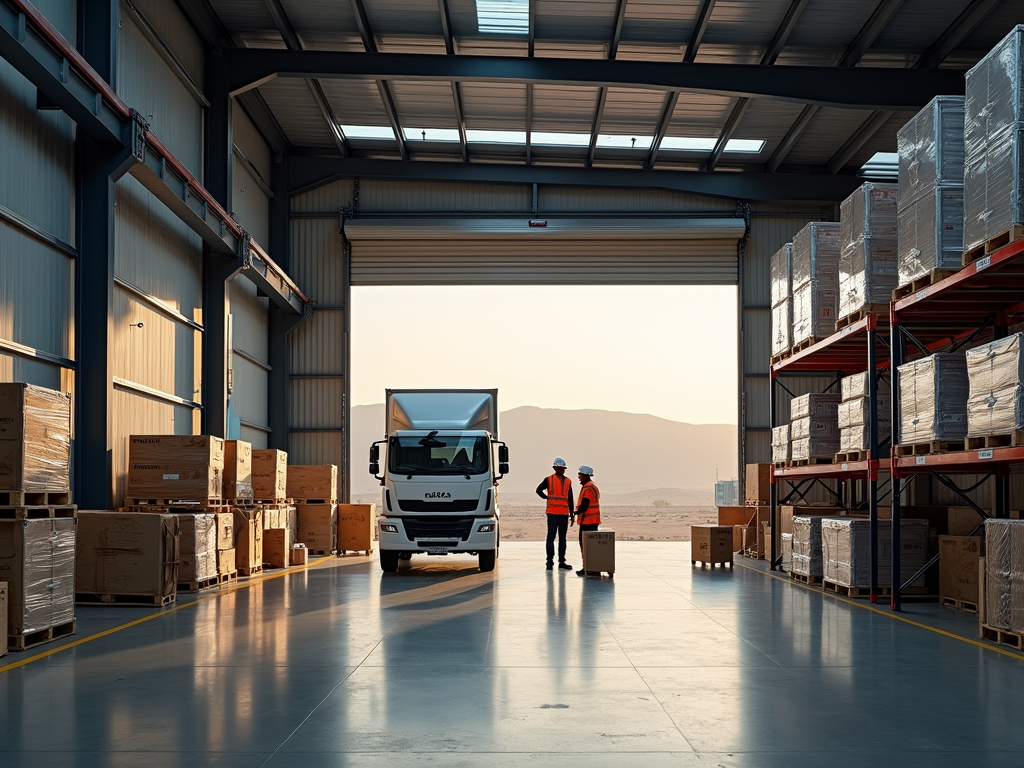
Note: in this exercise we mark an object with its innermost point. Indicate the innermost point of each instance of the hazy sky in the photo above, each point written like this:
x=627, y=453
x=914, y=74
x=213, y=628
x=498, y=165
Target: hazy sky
x=665, y=350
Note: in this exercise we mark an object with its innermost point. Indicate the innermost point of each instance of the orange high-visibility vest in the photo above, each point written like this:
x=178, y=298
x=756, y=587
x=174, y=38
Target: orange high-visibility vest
x=558, y=495
x=593, y=514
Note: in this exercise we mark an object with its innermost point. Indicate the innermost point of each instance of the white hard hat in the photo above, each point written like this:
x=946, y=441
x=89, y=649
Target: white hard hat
x=588, y=471
x=559, y=462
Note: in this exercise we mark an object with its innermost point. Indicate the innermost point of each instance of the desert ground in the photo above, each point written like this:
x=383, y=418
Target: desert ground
x=527, y=522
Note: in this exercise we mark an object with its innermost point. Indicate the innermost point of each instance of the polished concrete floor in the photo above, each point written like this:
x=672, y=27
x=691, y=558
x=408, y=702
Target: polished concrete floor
x=439, y=665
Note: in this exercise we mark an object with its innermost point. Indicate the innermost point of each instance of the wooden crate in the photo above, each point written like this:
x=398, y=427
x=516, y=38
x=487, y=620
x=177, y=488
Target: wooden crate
x=711, y=544
x=357, y=524
x=226, y=566
x=37, y=561
x=599, y=551
x=248, y=540
x=127, y=554
x=313, y=484
x=300, y=555
x=958, y=570
x=238, y=471
x=197, y=548
x=318, y=527
x=277, y=548
x=35, y=439
x=270, y=475
x=168, y=468
x=757, y=488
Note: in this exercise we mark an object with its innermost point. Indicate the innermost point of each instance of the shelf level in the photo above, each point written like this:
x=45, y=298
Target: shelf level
x=847, y=470
x=845, y=350
x=961, y=462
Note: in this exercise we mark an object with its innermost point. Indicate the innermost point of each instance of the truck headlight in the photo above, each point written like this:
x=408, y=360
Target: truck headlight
x=488, y=528
x=389, y=527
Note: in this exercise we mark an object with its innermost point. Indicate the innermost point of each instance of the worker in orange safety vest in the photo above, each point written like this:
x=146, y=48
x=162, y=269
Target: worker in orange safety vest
x=556, y=490
x=588, y=514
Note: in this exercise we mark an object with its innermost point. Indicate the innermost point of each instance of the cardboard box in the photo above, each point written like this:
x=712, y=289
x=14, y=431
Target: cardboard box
x=123, y=553
x=711, y=544
x=238, y=470
x=318, y=527
x=3, y=618
x=226, y=562
x=357, y=524
x=300, y=555
x=958, y=567
x=272, y=516
x=277, y=547
x=225, y=530
x=175, y=467
x=270, y=475
x=599, y=551
x=248, y=538
x=758, y=484
x=313, y=483
x=737, y=537
x=35, y=438
x=37, y=561
x=197, y=547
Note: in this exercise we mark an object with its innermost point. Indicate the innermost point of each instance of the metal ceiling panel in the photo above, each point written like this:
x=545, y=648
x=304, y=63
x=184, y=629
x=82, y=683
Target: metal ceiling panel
x=494, y=106
x=571, y=49
x=769, y=121
x=564, y=109
x=355, y=102
x=831, y=24
x=476, y=45
x=747, y=53
x=918, y=24
x=411, y=44
x=404, y=17
x=638, y=51
x=326, y=25
x=994, y=28
x=660, y=21
x=743, y=23
x=827, y=132
x=248, y=21
x=592, y=20
x=699, y=114
x=297, y=113
x=884, y=140
x=629, y=110
x=424, y=104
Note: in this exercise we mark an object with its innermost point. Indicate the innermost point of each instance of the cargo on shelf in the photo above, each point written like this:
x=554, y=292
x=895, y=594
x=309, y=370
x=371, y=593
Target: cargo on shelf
x=35, y=439
x=248, y=539
x=197, y=547
x=931, y=189
x=37, y=561
x=856, y=386
x=815, y=404
x=958, y=570
x=758, y=484
x=787, y=552
x=127, y=555
x=995, y=374
x=238, y=471
x=310, y=483
x=1004, y=574
x=868, y=255
x=933, y=399
x=846, y=551
x=993, y=136
x=815, y=279
x=780, y=444
x=357, y=527
x=318, y=527
x=782, y=299
x=165, y=468
x=807, y=551
x=270, y=475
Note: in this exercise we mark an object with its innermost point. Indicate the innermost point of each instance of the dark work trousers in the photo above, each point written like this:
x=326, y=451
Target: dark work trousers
x=587, y=527
x=556, y=524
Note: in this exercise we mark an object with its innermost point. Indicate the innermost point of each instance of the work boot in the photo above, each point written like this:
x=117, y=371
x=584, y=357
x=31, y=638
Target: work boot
x=564, y=566
x=581, y=572
x=550, y=566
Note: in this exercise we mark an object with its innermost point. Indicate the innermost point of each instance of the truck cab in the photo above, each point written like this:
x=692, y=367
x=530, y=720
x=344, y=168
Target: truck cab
x=442, y=463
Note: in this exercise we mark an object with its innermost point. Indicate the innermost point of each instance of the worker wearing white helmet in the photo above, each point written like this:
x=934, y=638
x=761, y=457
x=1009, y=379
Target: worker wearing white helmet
x=556, y=490
x=588, y=514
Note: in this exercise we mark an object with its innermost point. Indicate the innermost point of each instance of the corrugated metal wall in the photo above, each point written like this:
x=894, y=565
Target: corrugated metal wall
x=251, y=168
x=37, y=227
x=250, y=371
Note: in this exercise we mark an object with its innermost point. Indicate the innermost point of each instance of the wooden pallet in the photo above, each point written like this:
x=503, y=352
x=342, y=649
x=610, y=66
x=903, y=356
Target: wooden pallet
x=48, y=635
x=239, y=502
x=227, y=578
x=37, y=513
x=801, y=346
x=150, y=601
x=780, y=464
x=320, y=551
x=860, y=314
x=35, y=498
x=273, y=502
x=803, y=578
x=703, y=564
x=1012, y=235
x=1005, y=440
x=313, y=501
x=181, y=503
x=852, y=456
x=922, y=282
x=812, y=462
x=749, y=503
x=935, y=446
x=199, y=585
x=250, y=571
x=1002, y=636
x=365, y=552
x=960, y=605
x=848, y=591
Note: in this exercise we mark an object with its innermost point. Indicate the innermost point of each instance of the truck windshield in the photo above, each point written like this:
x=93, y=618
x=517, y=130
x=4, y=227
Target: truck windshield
x=438, y=455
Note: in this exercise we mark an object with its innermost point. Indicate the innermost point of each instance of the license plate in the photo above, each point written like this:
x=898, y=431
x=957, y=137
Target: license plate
x=437, y=551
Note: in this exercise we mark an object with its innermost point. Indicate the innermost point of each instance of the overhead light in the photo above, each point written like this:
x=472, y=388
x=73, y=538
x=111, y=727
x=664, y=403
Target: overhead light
x=503, y=17
x=431, y=134
x=495, y=137
x=368, y=132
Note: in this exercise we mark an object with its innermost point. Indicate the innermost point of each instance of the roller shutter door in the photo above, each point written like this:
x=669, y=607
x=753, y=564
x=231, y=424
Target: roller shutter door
x=566, y=251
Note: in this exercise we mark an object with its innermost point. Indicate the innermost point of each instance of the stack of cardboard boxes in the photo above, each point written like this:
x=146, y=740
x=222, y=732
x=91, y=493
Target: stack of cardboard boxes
x=268, y=526
x=315, y=491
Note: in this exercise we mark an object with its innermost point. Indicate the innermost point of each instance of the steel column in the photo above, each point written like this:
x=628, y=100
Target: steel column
x=218, y=269
x=896, y=350
x=773, y=495
x=278, y=395
x=873, y=457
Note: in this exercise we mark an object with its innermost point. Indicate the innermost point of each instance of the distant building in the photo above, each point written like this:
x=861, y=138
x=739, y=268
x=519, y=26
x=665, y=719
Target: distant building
x=727, y=493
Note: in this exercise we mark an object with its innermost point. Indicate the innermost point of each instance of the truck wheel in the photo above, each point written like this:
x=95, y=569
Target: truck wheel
x=486, y=560
x=388, y=560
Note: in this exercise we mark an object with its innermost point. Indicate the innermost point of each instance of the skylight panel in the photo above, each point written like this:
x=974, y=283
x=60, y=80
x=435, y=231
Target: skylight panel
x=368, y=132
x=698, y=144
x=496, y=137
x=744, y=145
x=431, y=134
x=881, y=165
x=551, y=139
x=503, y=17
x=614, y=141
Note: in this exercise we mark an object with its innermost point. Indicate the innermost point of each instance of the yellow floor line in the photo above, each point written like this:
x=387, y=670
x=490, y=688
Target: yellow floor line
x=168, y=611
x=889, y=614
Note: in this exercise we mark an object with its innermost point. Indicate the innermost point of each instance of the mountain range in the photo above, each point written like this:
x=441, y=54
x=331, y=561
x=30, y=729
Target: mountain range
x=637, y=457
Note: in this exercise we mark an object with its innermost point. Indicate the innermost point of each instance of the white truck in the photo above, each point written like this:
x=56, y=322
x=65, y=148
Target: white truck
x=440, y=479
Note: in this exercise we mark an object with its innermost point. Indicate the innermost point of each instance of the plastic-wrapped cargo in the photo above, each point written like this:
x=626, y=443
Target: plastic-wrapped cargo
x=1004, y=574
x=815, y=253
x=933, y=398
x=995, y=372
x=807, y=557
x=856, y=413
x=870, y=212
x=856, y=386
x=198, y=547
x=35, y=438
x=781, y=274
x=816, y=447
x=867, y=274
x=814, y=309
x=859, y=439
x=993, y=134
x=787, y=552
x=823, y=404
x=931, y=148
x=37, y=560
x=780, y=444
x=814, y=426
x=782, y=327
x=931, y=233
x=846, y=551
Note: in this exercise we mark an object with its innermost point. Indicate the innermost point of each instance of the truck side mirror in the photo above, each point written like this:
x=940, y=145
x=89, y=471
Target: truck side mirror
x=374, y=454
x=503, y=468
x=374, y=468
x=503, y=455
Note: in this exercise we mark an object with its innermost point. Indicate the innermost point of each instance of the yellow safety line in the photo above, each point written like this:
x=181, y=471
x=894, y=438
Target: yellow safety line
x=167, y=612
x=880, y=612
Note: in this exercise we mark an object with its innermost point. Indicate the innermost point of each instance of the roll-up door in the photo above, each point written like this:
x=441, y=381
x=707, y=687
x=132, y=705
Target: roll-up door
x=470, y=251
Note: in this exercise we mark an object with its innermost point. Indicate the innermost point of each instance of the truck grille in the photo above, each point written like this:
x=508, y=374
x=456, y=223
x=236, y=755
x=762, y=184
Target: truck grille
x=456, y=505
x=438, y=528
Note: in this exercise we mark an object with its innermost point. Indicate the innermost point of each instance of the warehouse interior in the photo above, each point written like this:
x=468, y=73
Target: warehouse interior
x=191, y=189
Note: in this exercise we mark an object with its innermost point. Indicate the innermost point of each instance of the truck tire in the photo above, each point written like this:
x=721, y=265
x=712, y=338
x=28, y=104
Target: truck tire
x=388, y=560
x=486, y=560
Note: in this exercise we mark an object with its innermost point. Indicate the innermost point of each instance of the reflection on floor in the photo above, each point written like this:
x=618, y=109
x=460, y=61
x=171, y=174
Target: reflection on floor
x=440, y=665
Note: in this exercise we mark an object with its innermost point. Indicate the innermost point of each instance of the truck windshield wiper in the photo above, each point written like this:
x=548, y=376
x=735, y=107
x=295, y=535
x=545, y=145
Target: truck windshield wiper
x=430, y=442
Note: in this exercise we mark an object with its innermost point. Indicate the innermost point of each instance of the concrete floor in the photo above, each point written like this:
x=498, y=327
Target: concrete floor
x=666, y=665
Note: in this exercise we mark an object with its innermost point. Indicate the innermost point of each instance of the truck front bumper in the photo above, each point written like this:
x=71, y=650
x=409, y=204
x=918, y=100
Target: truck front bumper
x=421, y=535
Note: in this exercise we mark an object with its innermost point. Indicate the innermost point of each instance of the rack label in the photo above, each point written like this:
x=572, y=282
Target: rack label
x=985, y=454
x=922, y=293
x=981, y=263
x=846, y=467
x=921, y=459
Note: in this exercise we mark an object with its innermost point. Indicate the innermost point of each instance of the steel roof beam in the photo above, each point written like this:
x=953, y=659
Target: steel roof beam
x=531, y=35
x=842, y=87
x=206, y=22
x=529, y=123
x=771, y=54
x=449, y=47
x=602, y=96
x=307, y=173
x=699, y=28
x=620, y=17
x=663, y=122
x=861, y=136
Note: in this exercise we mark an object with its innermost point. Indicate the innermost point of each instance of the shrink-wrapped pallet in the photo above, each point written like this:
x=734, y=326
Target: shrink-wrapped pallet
x=1004, y=574
x=867, y=263
x=859, y=439
x=815, y=447
x=781, y=291
x=814, y=426
x=993, y=134
x=782, y=327
x=780, y=444
x=35, y=438
x=197, y=547
x=37, y=560
x=815, y=304
x=857, y=413
x=807, y=559
x=856, y=386
x=815, y=254
x=933, y=399
x=787, y=552
x=846, y=551
x=818, y=404
x=931, y=197
x=870, y=212
x=995, y=372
